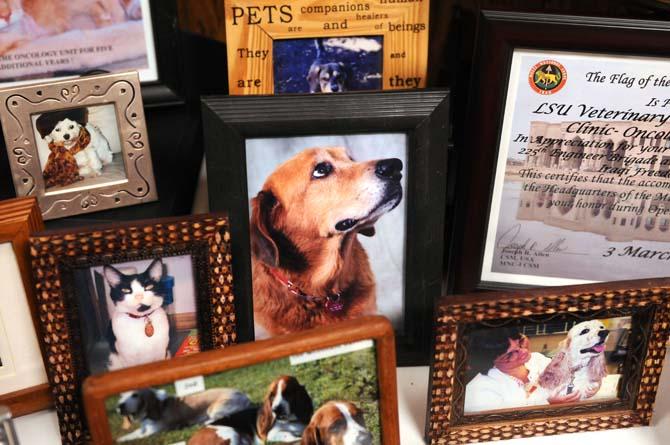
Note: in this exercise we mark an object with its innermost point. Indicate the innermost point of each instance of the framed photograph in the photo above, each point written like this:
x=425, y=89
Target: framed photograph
x=313, y=387
x=51, y=39
x=325, y=46
x=549, y=361
x=126, y=295
x=79, y=146
x=341, y=199
x=574, y=168
x=23, y=379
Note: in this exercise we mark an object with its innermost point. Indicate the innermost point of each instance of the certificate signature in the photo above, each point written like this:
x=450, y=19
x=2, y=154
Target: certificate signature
x=511, y=242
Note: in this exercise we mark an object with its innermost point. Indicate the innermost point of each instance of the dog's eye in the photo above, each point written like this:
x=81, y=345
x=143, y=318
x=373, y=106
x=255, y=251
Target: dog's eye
x=585, y=331
x=71, y=127
x=57, y=130
x=322, y=170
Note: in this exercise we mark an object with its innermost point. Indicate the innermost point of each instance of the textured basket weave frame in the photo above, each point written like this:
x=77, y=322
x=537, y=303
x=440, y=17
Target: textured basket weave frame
x=444, y=369
x=50, y=252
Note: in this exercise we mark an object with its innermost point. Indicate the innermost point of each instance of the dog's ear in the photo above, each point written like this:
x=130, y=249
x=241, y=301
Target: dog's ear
x=596, y=368
x=265, y=418
x=153, y=405
x=263, y=207
x=304, y=407
x=311, y=435
x=557, y=372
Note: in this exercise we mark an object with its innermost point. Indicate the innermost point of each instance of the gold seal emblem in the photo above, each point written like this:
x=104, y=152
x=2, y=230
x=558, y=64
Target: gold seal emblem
x=547, y=77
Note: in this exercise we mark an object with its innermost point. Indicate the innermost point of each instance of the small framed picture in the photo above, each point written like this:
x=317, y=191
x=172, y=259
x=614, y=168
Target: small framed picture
x=129, y=295
x=23, y=379
x=326, y=385
x=321, y=46
x=328, y=203
x=79, y=146
x=547, y=361
x=575, y=172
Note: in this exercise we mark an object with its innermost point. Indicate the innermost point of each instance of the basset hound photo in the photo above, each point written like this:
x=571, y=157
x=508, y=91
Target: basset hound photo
x=282, y=417
x=157, y=411
x=337, y=423
x=308, y=220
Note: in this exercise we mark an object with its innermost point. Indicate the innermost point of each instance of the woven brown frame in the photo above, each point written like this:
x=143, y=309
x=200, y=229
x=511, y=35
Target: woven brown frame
x=453, y=313
x=54, y=253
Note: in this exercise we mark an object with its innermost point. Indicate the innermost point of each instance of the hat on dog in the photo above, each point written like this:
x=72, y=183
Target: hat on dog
x=48, y=121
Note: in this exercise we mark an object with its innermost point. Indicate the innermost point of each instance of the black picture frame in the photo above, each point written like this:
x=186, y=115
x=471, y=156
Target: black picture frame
x=423, y=115
x=172, y=113
x=499, y=33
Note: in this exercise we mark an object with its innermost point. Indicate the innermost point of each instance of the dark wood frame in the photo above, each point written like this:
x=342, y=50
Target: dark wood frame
x=422, y=115
x=646, y=301
x=98, y=388
x=56, y=253
x=499, y=33
x=18, y=219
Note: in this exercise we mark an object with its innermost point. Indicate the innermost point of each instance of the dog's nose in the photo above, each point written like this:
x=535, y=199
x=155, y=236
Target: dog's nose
x=603, y=334
x=279, y=410
x=389, y=169
x=335, y=88
x=66, y=136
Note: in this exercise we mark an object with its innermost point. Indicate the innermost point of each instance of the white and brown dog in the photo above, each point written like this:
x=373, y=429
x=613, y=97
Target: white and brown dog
x=70, y=129
x=282, y=417
x=157, y=411
x=579, y=365
x=337, y=423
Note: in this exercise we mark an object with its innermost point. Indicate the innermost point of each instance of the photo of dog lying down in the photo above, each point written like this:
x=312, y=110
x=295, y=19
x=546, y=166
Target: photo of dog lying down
x=546, y=364
x=311, y=401
x=309, y=267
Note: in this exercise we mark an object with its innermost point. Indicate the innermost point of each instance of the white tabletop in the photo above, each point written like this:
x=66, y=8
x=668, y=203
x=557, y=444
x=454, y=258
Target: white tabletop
x=42, y=428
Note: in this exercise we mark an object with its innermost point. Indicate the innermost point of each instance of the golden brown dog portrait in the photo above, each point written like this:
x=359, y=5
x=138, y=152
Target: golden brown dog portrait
x=309, y=266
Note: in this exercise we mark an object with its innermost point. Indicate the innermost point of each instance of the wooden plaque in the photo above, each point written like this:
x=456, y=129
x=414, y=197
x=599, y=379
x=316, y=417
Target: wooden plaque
x=276, y=48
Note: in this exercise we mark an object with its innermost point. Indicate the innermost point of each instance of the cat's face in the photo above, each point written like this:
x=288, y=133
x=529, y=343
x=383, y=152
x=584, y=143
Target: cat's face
x=137, y=294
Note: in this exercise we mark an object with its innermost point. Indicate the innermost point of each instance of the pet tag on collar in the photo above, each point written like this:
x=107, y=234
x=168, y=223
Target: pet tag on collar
x=149, y=328
x=334, y=304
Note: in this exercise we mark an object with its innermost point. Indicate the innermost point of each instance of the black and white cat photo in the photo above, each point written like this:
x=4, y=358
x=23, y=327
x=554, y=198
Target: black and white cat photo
x=139, y=326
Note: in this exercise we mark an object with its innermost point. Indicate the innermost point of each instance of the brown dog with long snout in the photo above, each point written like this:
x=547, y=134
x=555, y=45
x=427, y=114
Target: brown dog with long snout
x=308, y=266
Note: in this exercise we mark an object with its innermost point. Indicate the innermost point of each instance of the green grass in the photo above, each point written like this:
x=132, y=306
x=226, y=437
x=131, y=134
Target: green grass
x=352, y=377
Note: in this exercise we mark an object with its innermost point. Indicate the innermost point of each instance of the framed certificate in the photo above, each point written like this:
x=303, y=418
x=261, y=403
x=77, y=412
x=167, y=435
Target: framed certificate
x=570, y=151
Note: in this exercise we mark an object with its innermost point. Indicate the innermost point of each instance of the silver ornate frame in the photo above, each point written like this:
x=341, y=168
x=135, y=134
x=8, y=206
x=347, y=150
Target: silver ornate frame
x=18, y=104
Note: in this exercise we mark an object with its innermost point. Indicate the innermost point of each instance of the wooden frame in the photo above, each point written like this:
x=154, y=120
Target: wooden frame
x=18, y=218
x=98, y=388
x=423, y=116
x=21, y=104
x=647, y=302
x=499, y=34
x=56, y=256
x=252, y=29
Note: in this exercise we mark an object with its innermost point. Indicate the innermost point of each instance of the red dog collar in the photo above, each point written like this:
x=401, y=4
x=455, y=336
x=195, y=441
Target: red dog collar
x=333, y=302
